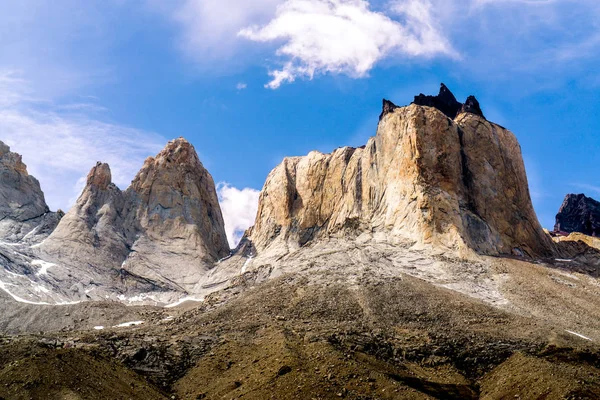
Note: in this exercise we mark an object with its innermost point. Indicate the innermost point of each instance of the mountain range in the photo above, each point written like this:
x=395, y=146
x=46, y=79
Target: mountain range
x=418, y=256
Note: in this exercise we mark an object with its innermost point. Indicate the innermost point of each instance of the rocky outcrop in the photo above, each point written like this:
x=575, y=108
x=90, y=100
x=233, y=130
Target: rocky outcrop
x=447, y=103
x=92, y=232
x=456, y=184
x=472, y=106
x=166, y=228
x=579, y=213
x=24, y=213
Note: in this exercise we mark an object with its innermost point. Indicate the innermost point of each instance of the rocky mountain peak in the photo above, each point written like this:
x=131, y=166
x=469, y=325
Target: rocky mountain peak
x=166, y=230
x=177, y=153
x=472, y=106
x=100, y=176
x=579, y=213
x=24, y=214
x=21, y=197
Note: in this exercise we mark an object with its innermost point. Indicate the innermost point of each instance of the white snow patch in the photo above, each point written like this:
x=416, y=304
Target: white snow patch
x=99, y=328
x=31, y=232
x=137, y=299
x=562, y=260
x=67, y=303
x=128, y=324
x=3, y=286
x=183, y=300
x=44, y=266
x=37, y=245
x=579, y=335
x=245, y=266
x=169, y=318
x=224, y=258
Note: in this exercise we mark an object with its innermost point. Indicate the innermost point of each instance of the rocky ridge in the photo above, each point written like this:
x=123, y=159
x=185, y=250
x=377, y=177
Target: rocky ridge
x=152, y=243
x=426, y=182
x=24, y=214
x=165, y=229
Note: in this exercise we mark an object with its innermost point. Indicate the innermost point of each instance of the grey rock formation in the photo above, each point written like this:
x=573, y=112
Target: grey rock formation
x=161, y=235
x=174, y=213
x=24, y=214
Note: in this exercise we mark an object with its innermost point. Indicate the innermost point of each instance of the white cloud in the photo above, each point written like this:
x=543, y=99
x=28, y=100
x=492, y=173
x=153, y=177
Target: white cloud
x=239, y=209
x=345, y=37
x=210, y=27
x=60, y=148
x=13, y=89
x=241, y=86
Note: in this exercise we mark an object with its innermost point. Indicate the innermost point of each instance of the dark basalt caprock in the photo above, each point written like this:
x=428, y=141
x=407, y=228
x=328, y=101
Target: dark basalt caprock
x=472, y=106
x=444, y=101
x=579, y=213
x=447, y=103
x=388, y=107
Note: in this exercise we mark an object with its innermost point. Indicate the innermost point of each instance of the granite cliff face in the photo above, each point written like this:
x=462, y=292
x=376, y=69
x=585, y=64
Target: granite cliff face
x=24, y=213
x=450, y=182
x=579, y=213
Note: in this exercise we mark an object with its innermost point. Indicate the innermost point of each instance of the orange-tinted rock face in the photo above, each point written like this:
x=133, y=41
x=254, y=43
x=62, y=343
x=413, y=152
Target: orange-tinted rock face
x=100, y=176
x=456, y=184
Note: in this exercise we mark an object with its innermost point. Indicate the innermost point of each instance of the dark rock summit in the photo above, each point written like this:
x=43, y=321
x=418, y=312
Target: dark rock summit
x=388, y=107
x=447, y=103
x=579, y=213
x=472, y=106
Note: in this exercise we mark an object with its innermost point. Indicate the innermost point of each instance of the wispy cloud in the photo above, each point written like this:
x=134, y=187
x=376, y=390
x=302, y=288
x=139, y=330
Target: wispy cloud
x=241, y=86
x=209, y=27
x=60, y=147
x=539, y=39
x=239, y=209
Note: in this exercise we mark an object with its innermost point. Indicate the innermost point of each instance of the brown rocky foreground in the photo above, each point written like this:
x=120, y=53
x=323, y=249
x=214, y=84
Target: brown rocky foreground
x=338, y=328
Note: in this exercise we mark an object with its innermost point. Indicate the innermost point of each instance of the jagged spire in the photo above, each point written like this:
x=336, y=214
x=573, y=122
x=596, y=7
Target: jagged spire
x=446, y=102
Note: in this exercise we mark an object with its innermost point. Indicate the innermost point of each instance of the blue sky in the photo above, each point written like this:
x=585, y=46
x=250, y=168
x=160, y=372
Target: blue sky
x=251, y=82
